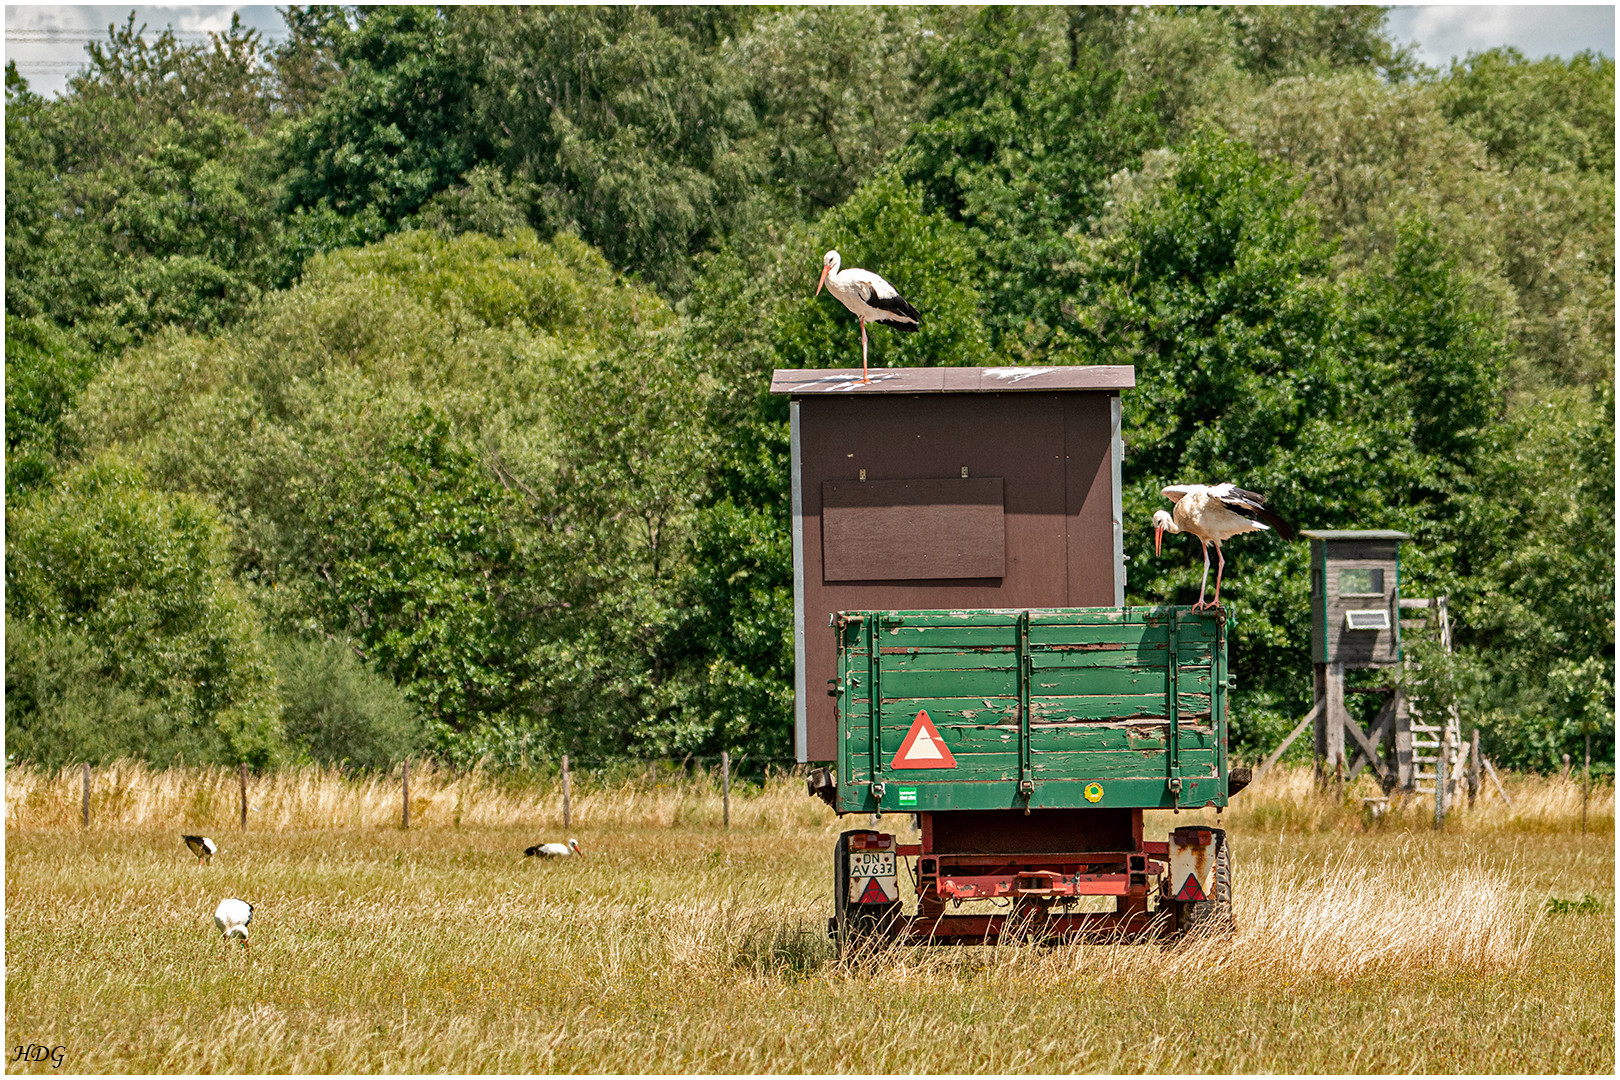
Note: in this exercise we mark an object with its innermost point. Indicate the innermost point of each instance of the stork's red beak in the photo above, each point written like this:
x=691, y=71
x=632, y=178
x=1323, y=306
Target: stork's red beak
x=1158, y=539
x=825, y=270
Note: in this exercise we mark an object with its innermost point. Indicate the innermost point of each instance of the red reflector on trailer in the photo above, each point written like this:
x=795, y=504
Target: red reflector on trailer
x=1191, y=890
x=874, y=893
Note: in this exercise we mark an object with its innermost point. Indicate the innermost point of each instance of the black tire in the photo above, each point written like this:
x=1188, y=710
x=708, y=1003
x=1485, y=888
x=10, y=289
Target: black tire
x=1214, y=915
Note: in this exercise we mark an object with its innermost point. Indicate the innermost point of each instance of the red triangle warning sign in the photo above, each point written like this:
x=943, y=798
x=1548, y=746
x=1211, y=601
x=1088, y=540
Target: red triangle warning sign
x=1191, y=890
x=873, y=894
x=923, y=748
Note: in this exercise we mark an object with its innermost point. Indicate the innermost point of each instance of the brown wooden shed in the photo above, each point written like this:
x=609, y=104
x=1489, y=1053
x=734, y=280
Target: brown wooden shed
x=946, y=488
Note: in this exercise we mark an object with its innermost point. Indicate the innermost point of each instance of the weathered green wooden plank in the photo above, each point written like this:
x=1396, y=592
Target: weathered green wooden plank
x=1055, y=635
x=1074, y=709
x=1067, y=682
x=932, y=684
x=1081, y=708
x=949, y=660
x=971, y=634
x=1052, y=636
x=1079, y=738
x=1123, y=764
x=992, y=682
x=1098, y=616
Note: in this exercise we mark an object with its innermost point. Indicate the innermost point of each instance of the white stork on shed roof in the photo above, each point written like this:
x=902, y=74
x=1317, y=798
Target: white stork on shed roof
x=869, y=297
x=1214, y=513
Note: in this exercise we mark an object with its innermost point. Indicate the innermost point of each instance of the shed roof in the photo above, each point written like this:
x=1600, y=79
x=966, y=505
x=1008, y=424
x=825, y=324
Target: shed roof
x=1354, y=534
x=952, y=380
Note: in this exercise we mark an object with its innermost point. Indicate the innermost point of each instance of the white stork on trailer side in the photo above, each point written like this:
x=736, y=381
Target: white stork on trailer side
x=551, y=851
x=200, y=846
x=869, y=298
x=1214, y=513
x=232, y=917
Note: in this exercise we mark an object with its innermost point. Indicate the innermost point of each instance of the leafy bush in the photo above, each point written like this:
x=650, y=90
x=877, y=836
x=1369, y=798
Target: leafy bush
x=63, y=705
x=340, y=712
x=46, y=370
x=132, y=584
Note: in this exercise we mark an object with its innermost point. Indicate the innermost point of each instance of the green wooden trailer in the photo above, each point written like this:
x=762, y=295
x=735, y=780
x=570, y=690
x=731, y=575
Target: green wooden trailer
x=1028, y=743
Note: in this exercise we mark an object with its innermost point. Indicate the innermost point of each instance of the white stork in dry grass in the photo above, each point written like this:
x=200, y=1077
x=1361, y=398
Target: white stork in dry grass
x=552, y=851
x=869, y=297
x=232, y=917
x=200, y=846
x=1214, y=513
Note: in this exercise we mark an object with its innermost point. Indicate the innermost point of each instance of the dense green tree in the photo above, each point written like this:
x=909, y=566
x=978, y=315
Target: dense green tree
x=436, y=448
x=1548, y=114
x=340, y=712
x=835, y=91
x=411, y=555
x=1022, y=130
x=1534, y=581
x=143, y=197
x=46, y=370
x=1348, y=407
x=132, y=585
x=396, y=127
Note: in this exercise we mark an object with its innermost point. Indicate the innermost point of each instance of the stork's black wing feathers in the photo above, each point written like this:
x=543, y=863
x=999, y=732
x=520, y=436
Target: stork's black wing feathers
x=535, y=850
x=1284, y=530
x=899, y=306
x=195, y=843
x=1247, y=502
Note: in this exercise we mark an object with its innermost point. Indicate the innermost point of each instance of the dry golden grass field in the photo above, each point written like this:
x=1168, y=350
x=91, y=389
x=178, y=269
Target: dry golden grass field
x=674, y=945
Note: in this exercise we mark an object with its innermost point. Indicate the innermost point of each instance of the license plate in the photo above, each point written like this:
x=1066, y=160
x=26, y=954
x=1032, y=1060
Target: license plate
x=865, y=864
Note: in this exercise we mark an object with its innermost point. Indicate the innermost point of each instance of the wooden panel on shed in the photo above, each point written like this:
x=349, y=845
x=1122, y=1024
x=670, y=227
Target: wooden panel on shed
x=901, y=530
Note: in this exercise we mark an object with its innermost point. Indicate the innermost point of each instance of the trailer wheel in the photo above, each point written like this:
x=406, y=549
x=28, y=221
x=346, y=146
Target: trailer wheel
x=1212, y=916
x=856, y=926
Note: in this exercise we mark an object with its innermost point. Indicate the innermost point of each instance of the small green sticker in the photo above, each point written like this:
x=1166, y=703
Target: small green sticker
x=908, y=796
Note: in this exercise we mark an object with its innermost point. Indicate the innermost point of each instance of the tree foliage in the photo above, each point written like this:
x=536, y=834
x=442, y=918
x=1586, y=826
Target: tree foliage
x=133, y=586
x=142, y=198
x=438, y=338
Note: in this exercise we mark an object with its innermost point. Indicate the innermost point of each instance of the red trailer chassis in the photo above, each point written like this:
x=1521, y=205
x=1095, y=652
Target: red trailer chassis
x=1159, y=888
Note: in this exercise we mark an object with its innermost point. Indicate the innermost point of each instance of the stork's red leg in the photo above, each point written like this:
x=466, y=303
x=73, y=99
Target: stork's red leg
x=1205, y=582
x=864, y=376
x=1219, y=569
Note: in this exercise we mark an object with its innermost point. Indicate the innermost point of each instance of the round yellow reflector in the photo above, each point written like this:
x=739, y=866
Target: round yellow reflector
x=1093, y=792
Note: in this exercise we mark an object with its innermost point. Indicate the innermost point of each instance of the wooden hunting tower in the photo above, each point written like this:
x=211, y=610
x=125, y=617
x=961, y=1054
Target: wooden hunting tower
x=1355, y=623
x=936, y=488
x=1355, y=597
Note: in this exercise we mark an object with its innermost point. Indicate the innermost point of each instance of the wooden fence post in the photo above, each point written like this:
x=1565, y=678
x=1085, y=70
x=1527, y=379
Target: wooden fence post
x=87, y=794
x=1565, y=774
x=1473, y=767
x=725, y=788
x=242, y=778
x=567, y=814
x=1586, y=792
x=405, y=794
x=1442, y=778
